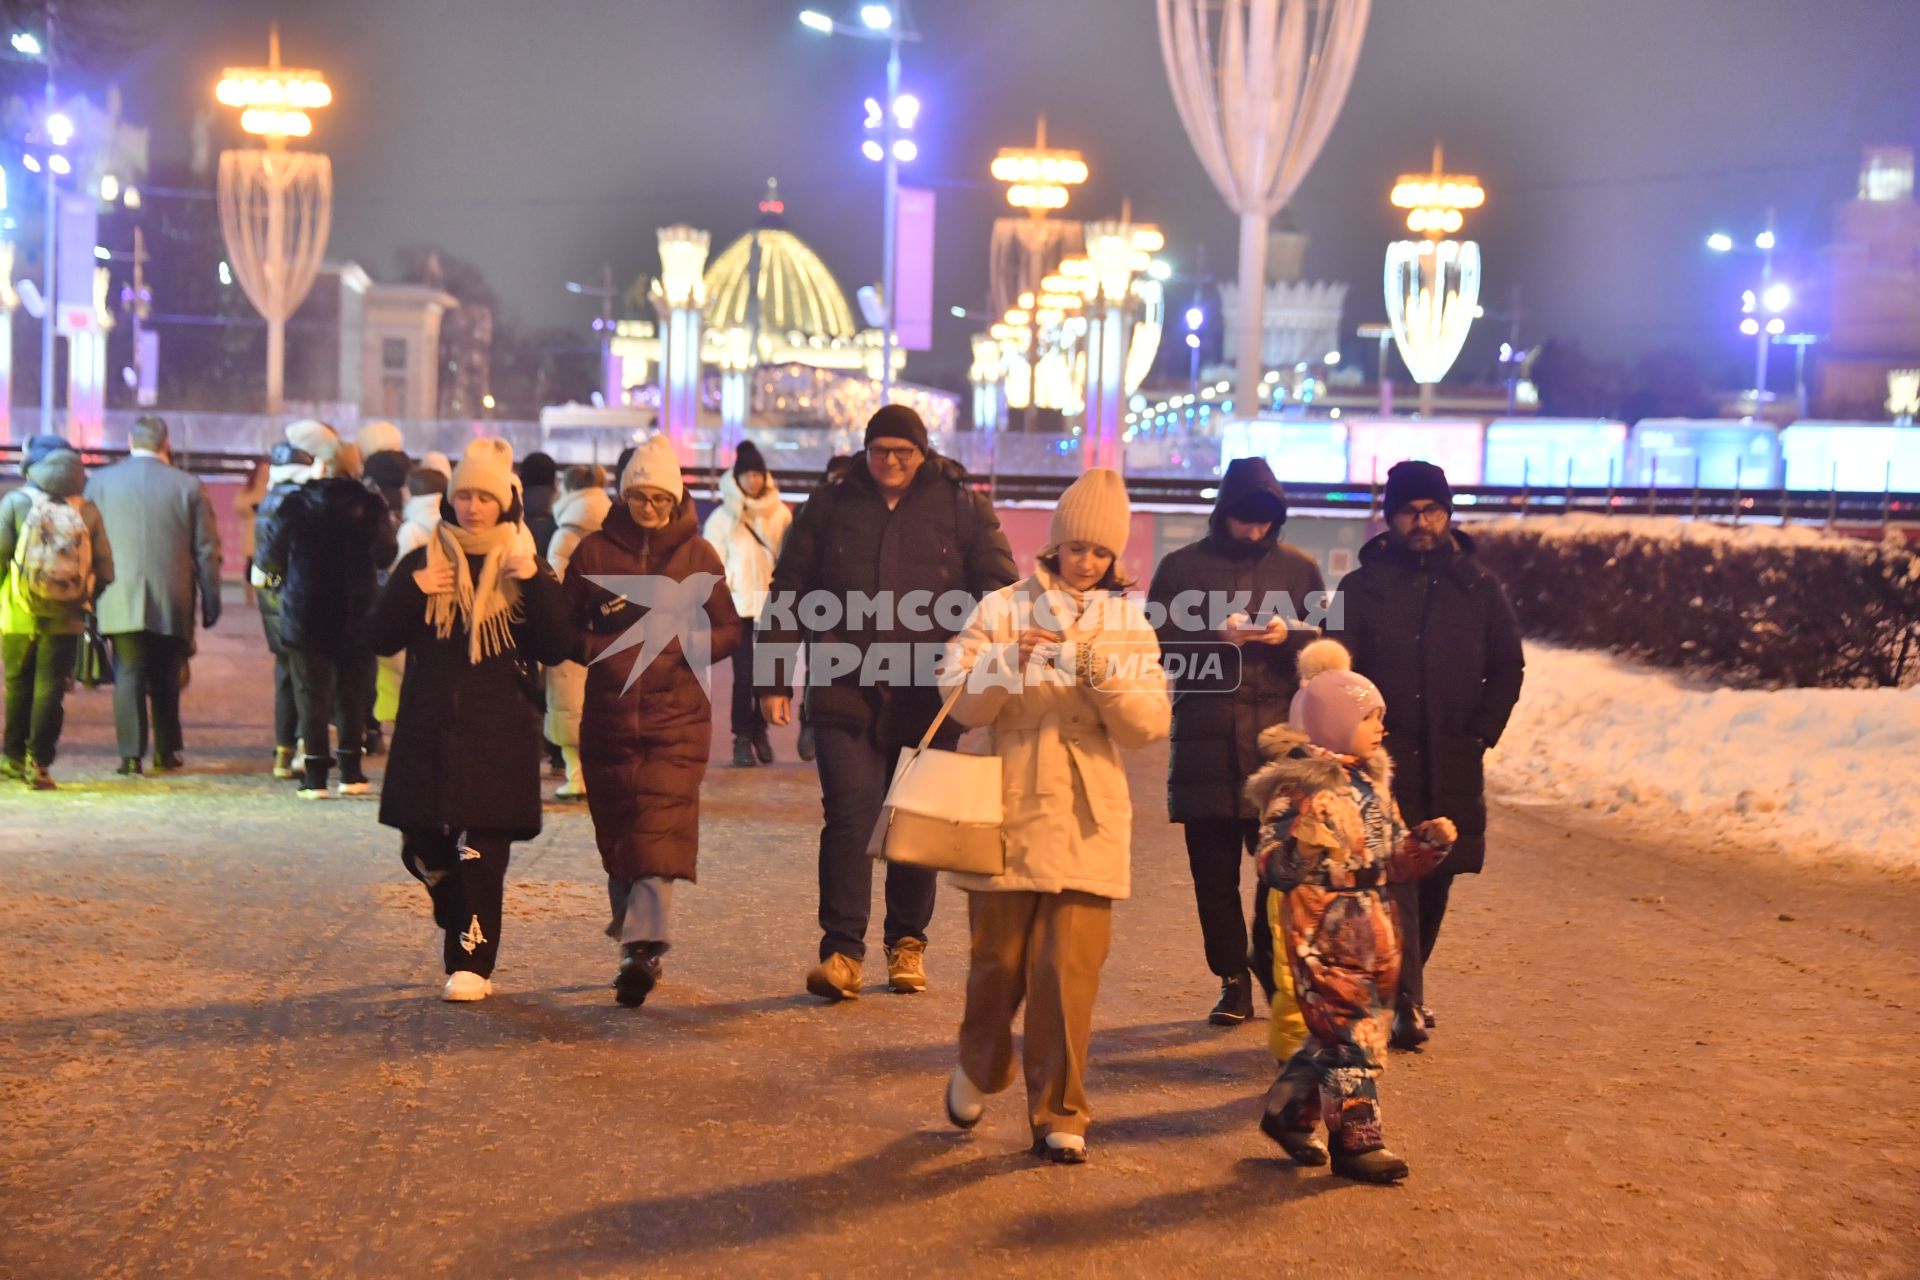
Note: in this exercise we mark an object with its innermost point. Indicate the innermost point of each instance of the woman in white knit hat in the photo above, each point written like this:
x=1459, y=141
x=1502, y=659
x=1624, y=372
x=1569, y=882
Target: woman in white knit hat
x=1065, y=669
x=645, y=731
x=476, y=613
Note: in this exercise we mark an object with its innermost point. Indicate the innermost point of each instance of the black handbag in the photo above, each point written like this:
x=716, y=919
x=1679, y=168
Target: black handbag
x=93, y=662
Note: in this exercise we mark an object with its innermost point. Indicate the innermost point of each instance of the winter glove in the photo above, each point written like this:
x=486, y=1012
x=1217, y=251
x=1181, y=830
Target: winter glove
x=610, y=615
x=1438, y=832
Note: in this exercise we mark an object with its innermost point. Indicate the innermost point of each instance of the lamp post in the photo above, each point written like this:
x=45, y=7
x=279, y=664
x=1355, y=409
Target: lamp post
x=1118, y=251
x=1753, y=300
x=881, y=22
x=678, y=296
x=1383, y=332
x=603, y=325
x=31, y=49
x=276, y=205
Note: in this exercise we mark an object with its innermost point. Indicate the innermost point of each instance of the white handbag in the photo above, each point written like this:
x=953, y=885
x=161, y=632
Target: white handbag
x=943, y=809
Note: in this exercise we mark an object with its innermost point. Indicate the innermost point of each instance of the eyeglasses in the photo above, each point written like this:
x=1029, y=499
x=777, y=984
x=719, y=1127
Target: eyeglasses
x=880, y=453
x=1425, y=515
x=658, y=501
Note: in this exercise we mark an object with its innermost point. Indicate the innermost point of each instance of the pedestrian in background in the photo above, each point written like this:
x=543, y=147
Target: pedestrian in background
x=55, y=560
x=287, y=469
x=330, y=542
x=169, y=553
x=582, y=509
x=748, y=529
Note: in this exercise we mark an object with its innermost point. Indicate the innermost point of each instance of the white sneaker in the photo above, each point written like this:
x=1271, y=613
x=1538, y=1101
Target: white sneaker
x=464, y=985
x=314, y=793
x=355, y=788
x=965, y=1104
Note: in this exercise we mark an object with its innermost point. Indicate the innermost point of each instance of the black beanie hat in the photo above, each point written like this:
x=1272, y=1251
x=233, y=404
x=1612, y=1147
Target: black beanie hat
x=1411, y=481
x=747, y=458
x=897, y=422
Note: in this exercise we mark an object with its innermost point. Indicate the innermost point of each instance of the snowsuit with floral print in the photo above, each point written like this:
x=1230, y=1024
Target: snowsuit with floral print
x=1331, y=840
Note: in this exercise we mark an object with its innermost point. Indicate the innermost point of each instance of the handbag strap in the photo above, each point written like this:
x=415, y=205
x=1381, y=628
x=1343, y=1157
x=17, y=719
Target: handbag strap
x=926, y=739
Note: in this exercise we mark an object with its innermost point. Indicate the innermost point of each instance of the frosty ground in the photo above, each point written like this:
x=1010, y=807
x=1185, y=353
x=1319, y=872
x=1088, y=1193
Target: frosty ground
x=221, y=1055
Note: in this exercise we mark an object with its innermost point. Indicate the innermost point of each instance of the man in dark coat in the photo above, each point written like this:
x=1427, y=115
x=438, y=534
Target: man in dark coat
x=904, y=522
x=331, y=539
x=1434, y=630
x=1240, y=585
x=166, y=550
x=287, y=469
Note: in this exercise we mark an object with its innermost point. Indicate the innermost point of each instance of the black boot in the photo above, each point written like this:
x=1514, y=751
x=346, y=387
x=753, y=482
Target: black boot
x=805, y=746
x=742, y=751
x=1304, y=1146
x=129, y=767
x=353, y=778
x=763, y=746
x=1235, y=1005
x=639, y=972
x=376, y=742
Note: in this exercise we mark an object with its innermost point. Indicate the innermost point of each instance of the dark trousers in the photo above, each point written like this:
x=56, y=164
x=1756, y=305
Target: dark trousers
x=747, y=721
x=286, y=707
x=1215, y=850
x=326, y=686
x=39, y=669
x=853, y=783
x=466, y=879
x=1418, y=908
x=146, y=677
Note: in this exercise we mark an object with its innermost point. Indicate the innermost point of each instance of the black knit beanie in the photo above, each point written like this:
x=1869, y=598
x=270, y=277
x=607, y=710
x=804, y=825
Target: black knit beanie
x=897, y=422
x=1411, y=481
x=747, y=458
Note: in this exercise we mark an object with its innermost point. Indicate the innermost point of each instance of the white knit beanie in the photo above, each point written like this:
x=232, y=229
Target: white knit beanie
x=438, y=461
x=655, y=465
x=312, y=436
x=486, y=467
x=1093, y=509
x=379, y=437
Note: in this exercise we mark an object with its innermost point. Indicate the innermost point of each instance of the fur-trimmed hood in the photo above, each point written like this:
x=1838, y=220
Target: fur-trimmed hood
x=1295, y=764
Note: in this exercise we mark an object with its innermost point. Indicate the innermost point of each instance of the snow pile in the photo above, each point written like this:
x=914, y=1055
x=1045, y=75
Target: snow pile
x=1614, y=528
x=1821, y=773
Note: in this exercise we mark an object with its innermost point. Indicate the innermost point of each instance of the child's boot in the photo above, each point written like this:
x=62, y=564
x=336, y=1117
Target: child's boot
x=639, y=972
x=1378, y=1165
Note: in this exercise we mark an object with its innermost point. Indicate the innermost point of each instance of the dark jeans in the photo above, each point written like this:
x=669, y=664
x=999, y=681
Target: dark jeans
x=286, y=707
x=1418, y=908
x=326, y=686
x=1215, y=850
x=747, y=720
x=466, y=879
x=39, y=669
x=146, y=676
x=853, y=782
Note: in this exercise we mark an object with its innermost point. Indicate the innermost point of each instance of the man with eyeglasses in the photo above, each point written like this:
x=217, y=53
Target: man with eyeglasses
x=1434, y=630
x=905, y=523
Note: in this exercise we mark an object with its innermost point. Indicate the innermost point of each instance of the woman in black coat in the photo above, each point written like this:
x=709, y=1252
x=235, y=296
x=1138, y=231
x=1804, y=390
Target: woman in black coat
x=477, y=614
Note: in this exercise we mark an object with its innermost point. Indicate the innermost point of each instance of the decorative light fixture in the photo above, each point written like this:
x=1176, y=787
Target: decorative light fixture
x=1903, y=395
x=1433, y=285
x=678, y=296
x=276, y=205
x=1037, y=177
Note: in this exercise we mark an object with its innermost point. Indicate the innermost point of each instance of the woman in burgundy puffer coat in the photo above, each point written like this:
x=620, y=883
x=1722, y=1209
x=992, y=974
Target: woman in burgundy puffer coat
x=645, y=733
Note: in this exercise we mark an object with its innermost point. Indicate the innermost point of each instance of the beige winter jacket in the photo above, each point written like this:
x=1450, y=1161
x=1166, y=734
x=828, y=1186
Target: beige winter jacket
x=1069, y=816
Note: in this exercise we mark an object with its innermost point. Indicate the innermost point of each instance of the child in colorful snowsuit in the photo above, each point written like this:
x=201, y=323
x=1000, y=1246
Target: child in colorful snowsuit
x=1331, y=840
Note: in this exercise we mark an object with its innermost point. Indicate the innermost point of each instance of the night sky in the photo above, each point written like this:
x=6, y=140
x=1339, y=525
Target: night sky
x=540, y=138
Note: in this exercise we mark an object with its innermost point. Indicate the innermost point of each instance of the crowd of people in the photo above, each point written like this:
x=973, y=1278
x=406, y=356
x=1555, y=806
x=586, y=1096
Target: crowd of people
x=511, y=621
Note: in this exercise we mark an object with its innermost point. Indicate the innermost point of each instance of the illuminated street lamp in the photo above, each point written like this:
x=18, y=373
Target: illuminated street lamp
x=881, y=22
x=276, y=205
x=53, y=125
x=1775, y=298
x=1433, y=284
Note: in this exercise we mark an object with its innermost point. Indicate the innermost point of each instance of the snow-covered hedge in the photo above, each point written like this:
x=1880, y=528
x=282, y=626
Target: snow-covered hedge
x=1751, y=606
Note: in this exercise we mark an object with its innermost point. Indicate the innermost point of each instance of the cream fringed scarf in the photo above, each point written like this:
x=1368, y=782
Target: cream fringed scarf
x=488, y=608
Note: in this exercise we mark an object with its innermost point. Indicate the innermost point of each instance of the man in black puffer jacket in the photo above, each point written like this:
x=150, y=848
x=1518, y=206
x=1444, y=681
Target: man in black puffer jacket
x=331, y=539
x=1434, y=630
x=1240, y=585
x=903, y=522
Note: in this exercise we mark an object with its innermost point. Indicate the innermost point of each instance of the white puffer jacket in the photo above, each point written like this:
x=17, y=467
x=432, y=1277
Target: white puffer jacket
x=748, y=533
x=1068, y=812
